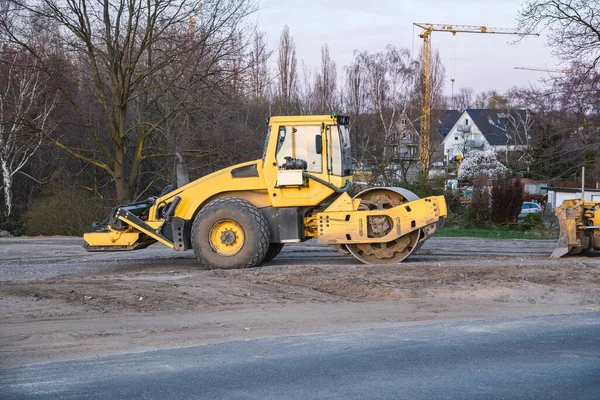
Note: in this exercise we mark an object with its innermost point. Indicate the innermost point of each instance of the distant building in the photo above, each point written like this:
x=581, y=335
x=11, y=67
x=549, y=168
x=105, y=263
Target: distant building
x=402, y=150
x=390, y=156
x=503, y=131
x=556, y=195
x=533, y=190
x=442, y=122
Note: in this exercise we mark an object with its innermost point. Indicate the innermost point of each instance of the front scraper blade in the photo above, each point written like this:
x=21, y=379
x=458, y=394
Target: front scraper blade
x=113, y=240
x=567, y=239
x=136, y=246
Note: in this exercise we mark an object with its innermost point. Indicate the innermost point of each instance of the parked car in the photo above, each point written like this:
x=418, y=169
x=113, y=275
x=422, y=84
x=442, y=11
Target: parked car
x=529, y=207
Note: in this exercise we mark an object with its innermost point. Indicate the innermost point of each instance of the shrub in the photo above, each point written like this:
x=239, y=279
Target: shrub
x=479, y=209
x=532, y=222
x=64, y=211
x=453, y=201
x=507, y=198
x=12, y=226
x=550, y=221
x=424, y=187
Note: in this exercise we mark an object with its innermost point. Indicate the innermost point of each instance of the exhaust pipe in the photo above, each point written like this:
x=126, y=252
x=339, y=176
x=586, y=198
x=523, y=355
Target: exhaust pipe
x=182, y=172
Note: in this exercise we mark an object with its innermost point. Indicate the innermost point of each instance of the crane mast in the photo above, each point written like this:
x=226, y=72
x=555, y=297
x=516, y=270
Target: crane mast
x=425, y=145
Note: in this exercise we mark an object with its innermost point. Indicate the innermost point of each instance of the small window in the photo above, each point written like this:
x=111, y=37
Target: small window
x=455, y=137
x=403, y=121
x=467, y=121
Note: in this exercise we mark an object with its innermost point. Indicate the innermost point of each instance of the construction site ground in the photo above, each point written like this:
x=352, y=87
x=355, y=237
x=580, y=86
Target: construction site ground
x=59, y=302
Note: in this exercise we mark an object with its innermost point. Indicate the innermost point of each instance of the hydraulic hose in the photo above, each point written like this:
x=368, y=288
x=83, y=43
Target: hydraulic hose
x=329, y=185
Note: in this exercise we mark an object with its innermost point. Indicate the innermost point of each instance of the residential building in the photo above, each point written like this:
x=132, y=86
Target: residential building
x=402, y=150
x=442, y=122
x=505, y=131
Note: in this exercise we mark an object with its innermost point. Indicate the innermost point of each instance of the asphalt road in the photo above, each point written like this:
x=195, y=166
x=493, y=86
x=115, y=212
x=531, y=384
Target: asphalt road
x=556, y=357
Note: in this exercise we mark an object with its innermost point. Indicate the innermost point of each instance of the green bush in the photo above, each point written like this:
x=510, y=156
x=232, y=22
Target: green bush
x=532, y=222
x=424, y=187
x=453, y=203
x=12, y=226
x=64, y=211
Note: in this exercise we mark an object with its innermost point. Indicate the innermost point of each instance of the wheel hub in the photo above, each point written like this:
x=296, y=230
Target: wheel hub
x=227, y=237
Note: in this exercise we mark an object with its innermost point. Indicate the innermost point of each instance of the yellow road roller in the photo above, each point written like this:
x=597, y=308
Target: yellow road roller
x=242, y=216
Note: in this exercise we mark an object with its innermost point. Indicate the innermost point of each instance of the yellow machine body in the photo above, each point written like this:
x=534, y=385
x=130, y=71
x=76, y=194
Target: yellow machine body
x=299, y=186
x=579, y=223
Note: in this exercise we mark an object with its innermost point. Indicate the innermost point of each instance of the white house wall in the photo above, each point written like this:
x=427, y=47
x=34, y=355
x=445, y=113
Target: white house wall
x=455, y=140
x=555, y=199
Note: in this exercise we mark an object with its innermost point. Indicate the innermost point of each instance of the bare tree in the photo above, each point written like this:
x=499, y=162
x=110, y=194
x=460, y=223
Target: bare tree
x=517, y=128
x=572, y=101
x=464, y=99
x=566, y=126
x=286, y=69
x=389, y=78
x=356, y=105
x=122, y=49
x=259, y=73
x=23, y=121
x=325, y=83
x=438, y=81
x=573, y=28
x=306, y=89
x=490, y=99
x=438, y=78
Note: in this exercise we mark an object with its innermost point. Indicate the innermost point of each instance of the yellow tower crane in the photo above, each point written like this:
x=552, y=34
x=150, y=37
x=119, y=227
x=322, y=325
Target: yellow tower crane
x=541, y=69
x=425, y=146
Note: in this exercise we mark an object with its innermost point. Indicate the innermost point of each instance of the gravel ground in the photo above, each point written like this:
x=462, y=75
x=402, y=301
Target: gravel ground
x=59, y=302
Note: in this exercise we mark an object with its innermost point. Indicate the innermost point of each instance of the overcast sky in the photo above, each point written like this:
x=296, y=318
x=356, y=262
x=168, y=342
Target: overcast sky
x=478, y=61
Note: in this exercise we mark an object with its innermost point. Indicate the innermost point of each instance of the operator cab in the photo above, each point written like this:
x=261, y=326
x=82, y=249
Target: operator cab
x=312, y=148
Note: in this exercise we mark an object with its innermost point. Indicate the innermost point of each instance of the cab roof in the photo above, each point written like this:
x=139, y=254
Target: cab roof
x=302, y=119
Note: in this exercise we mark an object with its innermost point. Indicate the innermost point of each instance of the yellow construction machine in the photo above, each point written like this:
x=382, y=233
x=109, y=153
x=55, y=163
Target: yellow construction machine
x=243, y=215
x=579, y=222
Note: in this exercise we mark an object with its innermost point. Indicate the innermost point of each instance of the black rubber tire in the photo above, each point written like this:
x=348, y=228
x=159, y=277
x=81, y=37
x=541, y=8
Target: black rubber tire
x=274, y=250
x=253, y=223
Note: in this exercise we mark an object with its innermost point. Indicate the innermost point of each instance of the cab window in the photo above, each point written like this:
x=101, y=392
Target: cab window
x=299, y=142
x=338, y=145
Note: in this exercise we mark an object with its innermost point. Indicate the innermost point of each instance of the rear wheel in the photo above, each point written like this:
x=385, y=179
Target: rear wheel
x=393, y=251
x=230, y=233
x=274, y=250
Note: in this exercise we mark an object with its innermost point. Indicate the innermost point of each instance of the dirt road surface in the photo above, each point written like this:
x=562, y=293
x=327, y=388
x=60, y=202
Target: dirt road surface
x=58, y=302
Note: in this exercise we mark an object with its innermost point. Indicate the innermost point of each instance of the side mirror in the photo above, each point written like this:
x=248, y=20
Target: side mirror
x=319, y=144
x=282, y=132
